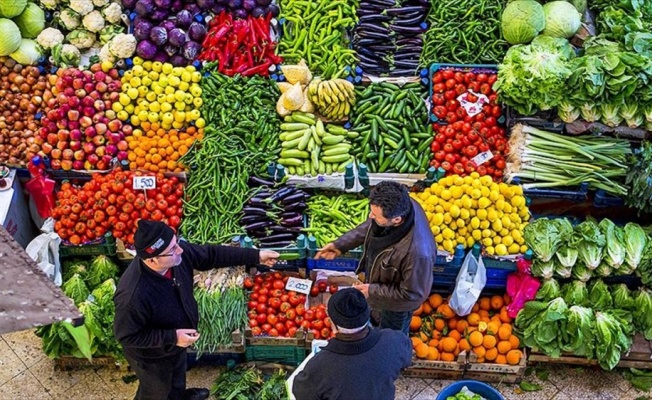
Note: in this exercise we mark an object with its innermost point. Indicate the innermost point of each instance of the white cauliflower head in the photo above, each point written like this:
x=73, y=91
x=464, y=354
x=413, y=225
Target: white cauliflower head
x=50, y=4
x=49, y=37
x=100, y=3
x=82, y=39
x=123, y=45
x=105, y=54
x=112, y=13
x=83, y=7
x=69, y=19
x=93, y=21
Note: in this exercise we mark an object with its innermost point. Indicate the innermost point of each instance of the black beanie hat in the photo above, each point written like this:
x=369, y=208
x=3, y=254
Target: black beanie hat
x=152, y=238
x=348, y=309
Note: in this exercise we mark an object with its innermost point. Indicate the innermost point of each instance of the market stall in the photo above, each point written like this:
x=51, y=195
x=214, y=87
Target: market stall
x=520, y=127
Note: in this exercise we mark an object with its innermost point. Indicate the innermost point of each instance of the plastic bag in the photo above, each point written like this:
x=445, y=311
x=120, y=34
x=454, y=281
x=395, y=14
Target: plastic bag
x=521, y=288
x=44, y=250
x=470, y=282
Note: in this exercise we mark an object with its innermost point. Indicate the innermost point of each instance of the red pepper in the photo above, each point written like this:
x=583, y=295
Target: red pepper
x=262, y=69
x=250, y=58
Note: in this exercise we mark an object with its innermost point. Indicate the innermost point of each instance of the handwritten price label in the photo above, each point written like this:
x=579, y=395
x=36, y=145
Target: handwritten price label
x=299, y=285
x=482, y=158
x=144, y=182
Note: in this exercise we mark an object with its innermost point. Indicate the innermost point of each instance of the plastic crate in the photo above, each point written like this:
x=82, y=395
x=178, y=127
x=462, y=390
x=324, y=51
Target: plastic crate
x=545, y=120
x=497, y=272
x=475, y=68
x=578, y=194
x=348, y=262
x=285, y=265
x=214, y=359
x=287, y=355
x=106, y=246
x=603, y=200
x=75, y=176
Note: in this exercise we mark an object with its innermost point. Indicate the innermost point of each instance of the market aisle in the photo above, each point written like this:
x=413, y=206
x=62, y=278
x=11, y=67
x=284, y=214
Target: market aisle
x=26, y=373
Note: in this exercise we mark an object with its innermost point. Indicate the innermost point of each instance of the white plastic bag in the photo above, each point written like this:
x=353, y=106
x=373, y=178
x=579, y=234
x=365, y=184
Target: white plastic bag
x=44, y=250
x=470, y=282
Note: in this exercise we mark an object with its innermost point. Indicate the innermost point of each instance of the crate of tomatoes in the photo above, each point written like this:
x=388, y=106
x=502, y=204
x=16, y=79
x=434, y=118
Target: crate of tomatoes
x=467, y=120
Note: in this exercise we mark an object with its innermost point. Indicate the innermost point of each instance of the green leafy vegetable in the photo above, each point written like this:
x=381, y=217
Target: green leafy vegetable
x=614, y=251
x=575, y=293
x=635, y=240
x=642, y=312
x=562, y=19
x=544, y=236
x=76, y=289
x=590, y=243
x=622, y=297
x=581, y=330
x=101, y=269
x=612, y=338
x=581, y=272
x=543, y=269
x=599, y=296
x=549, y=290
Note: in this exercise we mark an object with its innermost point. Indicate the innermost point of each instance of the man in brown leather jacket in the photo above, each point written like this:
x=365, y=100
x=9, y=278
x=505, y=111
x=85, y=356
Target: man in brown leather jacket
x=399, y=253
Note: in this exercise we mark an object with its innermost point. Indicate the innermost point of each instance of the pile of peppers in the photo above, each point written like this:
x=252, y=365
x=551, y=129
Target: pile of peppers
x=240, y=46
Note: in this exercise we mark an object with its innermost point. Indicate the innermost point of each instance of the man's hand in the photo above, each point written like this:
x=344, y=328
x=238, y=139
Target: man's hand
x=268, y=257
x=186, y=337
x=364, y=288
x=328, y=252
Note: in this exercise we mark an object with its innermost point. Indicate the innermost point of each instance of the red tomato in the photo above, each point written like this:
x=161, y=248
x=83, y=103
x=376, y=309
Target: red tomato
x=294, y=300
x=274, y=302
x=279, y=284
x=292, y=331
x=291, y=314
x=320, y=314
x=285, y=306
x=309, y=315
x=325, y=332
x=256, y=331
x=272, y=319
x=252, y=305
x=261, y=308
x=280, y=328
x=314, y=291
x=300, y=310
x=253, y=322
x=332, y=289
x=261, y=318
x=273, y=332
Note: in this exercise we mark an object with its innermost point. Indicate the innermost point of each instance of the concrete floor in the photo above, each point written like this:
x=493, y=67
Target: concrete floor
x=26, y=373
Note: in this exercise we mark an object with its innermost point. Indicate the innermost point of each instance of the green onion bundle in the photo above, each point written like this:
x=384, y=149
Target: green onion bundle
x=547, y=160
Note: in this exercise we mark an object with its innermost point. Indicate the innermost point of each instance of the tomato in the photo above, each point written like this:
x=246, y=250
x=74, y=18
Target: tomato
x=450, y=83
x=471, y=151
x=482, y=170
x=438, y=88
x=457, y=144
x=261, y=308
x=274, y=302
x=277, y=293
x=280, y=328
x=254, y=295
x=256, y=331
x=481, y=77
x=448, y=148
x=469, y=77
x=485, y=88
x=437, y=77
x=458, y=168
x=279, y=284
x=327, y=321
x=285, y=306
x=459, y=77
x=292, y=331
x=282, y=318
x=272, y=319
x=162, y=204
x=253, y=322
x=491, y=79
x=438, y=99
x=301, y=310
x=332, y=289
x=447, y=74
x=320, y=314
x=450, y=95
x=439, y=111
x=450, y=158
x=261, y=318
x=266, y=327
x=150, y=205
x=500, y=164
x=309, y=315
x=294, y=300
x=273, y=332
x=314, y=291
x=446, y=166
x=325, y=332
x=318, y=324
x=291, y=314
x=460, y=89
x=289, y=324
x=316, y=333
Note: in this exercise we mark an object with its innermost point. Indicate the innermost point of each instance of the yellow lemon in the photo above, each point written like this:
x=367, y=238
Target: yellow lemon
x=484, y=202
x=476, y=234
x=497, y=240
x=485, y=224
x=482, y=214
x=497, y=225
x=487, y=242
x=501, y=250
x=490, y=250
x=465, y=214
x=456, y=192
x=492, y=215
x=448, y=218
x=507, y=240
x=476, y=194
x=475, y=222
x=486, y=233
x=446, y=194
x=523, y=248
x=454, y=211
x=513, y=248
x=460, y=223
x=447, y=233
x=470, y=241
x=438, y=219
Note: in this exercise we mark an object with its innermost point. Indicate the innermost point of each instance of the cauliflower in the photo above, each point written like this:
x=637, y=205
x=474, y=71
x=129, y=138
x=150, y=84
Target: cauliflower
x=123, y=45
x=50, y=4
x=93, y=21
x=83, y=7
x=69, y=19
x=100, y=3
x=112, y=13
x=109, y=32
x=81, y=39
x=49, y=37
x=105, y=54
x=66, y=55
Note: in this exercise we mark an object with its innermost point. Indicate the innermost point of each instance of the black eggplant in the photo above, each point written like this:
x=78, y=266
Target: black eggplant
x=255, y=181
x=258, y=225
x=295, y=207
x=374, y=18
x=258, y=202
x=371, y=35
x=299, y=195
x=250, y=219
x=290, y=215
x=369, y=27
x=285, y=229
x=403, y=10
x=254, y=211
x=296, y=221
x=278, y=237
x=415, y=21
x=405, y=30
x=279, y=244
x=282, y=193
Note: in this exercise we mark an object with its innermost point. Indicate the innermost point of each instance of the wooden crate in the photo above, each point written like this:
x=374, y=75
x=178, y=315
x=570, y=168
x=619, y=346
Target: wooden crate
x=121, y=251
x=67, y=363
x=437, y=369
x=299, y=339
x=495, y=373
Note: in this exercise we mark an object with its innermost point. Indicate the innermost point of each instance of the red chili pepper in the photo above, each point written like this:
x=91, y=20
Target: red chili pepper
x=250, y=58
x=262, y=69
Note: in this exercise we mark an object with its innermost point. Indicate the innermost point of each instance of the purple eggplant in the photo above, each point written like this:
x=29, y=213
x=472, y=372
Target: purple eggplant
x=395, y=12
x=254, y=211
x=282, y=193
x=177, y=37
x=295, y=206
x=258, y=225
x=158, y=35
x=129, y=4
x=144, y=7
x=142, y=30
x=278, y=237
x=184, y=19
x=255, y=181
x=290, y=215
x=146, y=49
x=163, y=3
x=258, y=12
x=274, y=10
x=249, y=4
x=296, y=221
x=298, y=196
x=190, y=50
x=197, y=31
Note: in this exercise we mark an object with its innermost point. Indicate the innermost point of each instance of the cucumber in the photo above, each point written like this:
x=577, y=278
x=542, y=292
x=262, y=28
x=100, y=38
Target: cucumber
x=294, y=126
x=290, y=162
x=292, y=153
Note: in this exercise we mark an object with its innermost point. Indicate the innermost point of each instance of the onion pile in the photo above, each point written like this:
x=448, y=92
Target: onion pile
x=21, y=98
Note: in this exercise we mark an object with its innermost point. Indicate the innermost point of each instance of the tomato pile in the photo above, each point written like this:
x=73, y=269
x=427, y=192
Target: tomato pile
x=463, y=137
x=108, y=202
x=276, y=312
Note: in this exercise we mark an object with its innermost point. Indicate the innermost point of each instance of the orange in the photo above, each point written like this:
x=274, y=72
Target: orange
x=507, y=299
x=476, y=339
x=455, y=335
x=415, y=341
x=445, y=356
x=433, y=354
x=452, y=323
x=435, y=300
x=464, y=345
x=476, y=308
x=489, y=341
x=446, y=311
x=491, y=354
x=504, y=347
x=422, y=350
x=433, y=343
x=424, y=338
x=514, y=357
x=449, y=344
x=479, y=351
x=492, y=328
x=484, y=315
x=436, y=334
x=481, y=359
x=415, y=323
x=485, y=304
x=496, y=302
x=513, y=340
x=501, y=359
x=418, y=311
x=427, y=310
x=461, y=325
x=473, y=319
x=504, y=317
x=440, y=324
x=505, y=331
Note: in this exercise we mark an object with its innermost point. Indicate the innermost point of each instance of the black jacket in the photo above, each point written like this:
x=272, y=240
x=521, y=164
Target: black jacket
x=149, y=308
x=400, y=277
x=362, y=369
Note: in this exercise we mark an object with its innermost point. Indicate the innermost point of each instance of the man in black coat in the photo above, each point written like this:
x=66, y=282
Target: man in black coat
x=360, y=362
x=156, y=314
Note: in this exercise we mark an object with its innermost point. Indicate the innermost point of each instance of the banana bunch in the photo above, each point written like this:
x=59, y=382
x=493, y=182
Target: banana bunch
x=311, y=148
x=333, y=98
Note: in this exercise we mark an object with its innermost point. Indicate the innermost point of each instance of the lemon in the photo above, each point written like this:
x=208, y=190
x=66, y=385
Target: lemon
x=466, y=202
x=482, y=214
x=485, y=191
x=513, y=248
x=516, y=190
x=484, y=202
x=448, y=181
x=497, y=240
x=458, y=203
x=448, y=245
x=458, y=180
x=435, y=230
x=437, y=189
x=518, y=201
x=457, y=192
x=500, y=204
x=475, y=222
x=168, y=118
x=492, y=215
x=508, y=208
x=461, y=240
x=486, y=180
x=516, y=234
x=507, y=240
x=446, y=205
x=439, y=209
x=470, y=242
x=439, y=238
x=438, y=219
x=515, y=218
x=485, y=224
x=476, y=234
x=486, y=233
x=425, y=195
x=447, y=218
x=446, y=194
x=487, y=242
x=505, y=220
x=463, y=231
x=447, y=233
x=501, y=250
x=454, y=211
x=460, y=223
x=490, y=250
x=465, y=214
x=523, y=248
x=200, y=123
x=430, y=208
x=179, y=116
x=494, y=196
x=497, y=225
x=504, y=232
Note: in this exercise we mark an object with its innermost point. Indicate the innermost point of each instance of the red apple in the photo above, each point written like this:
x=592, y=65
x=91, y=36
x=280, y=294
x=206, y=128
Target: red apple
x=63, y=135
x=68, y=154
x=52, y=139
x=85, y=122
x=89, y=148
x=75, y=145
x=55, y=154
x=77, y=165
x=56, y=164
x=76, y=134
x=100, y=151
x=66, y=165
x=123, y=145
x=98, y=140
x=62, y=145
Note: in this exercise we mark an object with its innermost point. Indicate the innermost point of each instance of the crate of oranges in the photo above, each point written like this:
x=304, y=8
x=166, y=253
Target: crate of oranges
x=484, y=337
x=155, y=149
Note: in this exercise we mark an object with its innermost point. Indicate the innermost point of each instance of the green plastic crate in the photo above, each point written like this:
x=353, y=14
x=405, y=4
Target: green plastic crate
x=105, y=247
x=287, y=355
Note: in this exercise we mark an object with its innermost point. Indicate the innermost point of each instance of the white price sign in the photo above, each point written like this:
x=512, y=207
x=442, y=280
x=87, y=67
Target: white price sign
x=299, y=285
x=144, y=182
x=482, y=158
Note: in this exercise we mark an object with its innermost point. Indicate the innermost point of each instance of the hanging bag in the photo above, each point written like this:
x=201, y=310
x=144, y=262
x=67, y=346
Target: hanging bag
x=470, y=282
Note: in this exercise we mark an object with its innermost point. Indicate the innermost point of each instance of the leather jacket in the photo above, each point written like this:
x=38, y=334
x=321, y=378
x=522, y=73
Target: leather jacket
x=400, y=277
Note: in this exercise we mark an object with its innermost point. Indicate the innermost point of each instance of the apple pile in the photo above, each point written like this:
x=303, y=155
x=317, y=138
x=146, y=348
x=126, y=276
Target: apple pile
x=79, y=130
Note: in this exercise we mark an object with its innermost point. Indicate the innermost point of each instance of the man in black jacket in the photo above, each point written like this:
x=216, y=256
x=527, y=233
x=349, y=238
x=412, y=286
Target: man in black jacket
x=156, y=314
x=360, y=362
x=399, y=253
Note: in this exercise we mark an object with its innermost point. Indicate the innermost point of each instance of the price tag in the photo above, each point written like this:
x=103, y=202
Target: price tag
x=482, y=158
x=299, y=285
x=144, y=182
x=472, y=102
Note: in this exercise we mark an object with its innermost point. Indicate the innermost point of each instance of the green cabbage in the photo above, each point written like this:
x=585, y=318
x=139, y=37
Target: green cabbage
x=580, y=5
x=581, y=330
x=28, y=53
x=522, y=20
x=575, y=293
x=614, y=252
x=31, y=22
x=11, y=8
x=622, y=297
x=599, y=296
x=590, y=243
x=549, y=290
x=562, y=19
x=9, y=36
x=635, y=240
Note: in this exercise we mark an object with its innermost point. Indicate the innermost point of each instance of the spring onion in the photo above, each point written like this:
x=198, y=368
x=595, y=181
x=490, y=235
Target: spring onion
x=548, y=160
